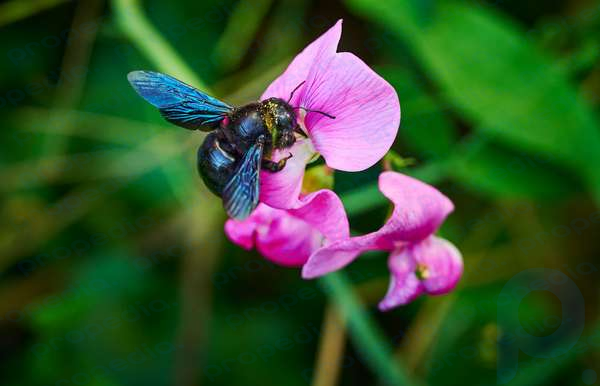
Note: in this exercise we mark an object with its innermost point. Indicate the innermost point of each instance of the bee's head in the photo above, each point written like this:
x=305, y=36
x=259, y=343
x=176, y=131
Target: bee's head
x=281, y=121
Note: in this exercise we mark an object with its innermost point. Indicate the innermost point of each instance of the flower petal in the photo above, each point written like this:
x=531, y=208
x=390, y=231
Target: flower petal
x=323, y=47
x=330, y=258
x=443, y=262
x=419, y=209
x=404, y=285
x=243, y=232
x=289, y=237
x=439, y=264
x=288, y=241
x=280, y=237
x=282, y=189
x=366, y=110
x=324, y=211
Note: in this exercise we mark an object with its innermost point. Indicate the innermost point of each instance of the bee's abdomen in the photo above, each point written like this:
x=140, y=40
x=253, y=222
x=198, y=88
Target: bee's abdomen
x=215, y=165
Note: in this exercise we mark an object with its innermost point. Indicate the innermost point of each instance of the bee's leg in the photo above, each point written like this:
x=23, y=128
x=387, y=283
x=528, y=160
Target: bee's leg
x=274, y=167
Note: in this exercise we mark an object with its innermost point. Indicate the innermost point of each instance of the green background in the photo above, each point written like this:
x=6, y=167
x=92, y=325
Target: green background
x=114, y=266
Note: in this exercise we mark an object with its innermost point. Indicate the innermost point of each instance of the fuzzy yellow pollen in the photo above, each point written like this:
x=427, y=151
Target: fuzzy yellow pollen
x=422, y=272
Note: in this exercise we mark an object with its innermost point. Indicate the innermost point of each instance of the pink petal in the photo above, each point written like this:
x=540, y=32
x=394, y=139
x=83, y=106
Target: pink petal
x=281, y=189
x=297, y=71
x=289, y=237
x=404, y=285
x=324, y=211
x=288, y=241
x=442, y=264
x=280, y=237
x=242, y=233
x=365, y=106
x=337, y=255
x=419, y=209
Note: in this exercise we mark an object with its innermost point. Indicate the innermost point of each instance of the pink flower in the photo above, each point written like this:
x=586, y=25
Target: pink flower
x=419, y=261
x=289, y=237
x=365, y=107
x=364, y=114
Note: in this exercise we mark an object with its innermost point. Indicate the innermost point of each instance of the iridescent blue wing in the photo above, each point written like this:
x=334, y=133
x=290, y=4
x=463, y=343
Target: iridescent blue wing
x=179, y=103
x=240, y=195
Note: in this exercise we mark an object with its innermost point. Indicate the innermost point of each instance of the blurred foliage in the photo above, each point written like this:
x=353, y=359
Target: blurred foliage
x=115, y=269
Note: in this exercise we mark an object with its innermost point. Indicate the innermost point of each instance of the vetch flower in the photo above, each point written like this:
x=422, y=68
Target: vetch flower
x=289, y=237
x=349, y=114
x=419, y=262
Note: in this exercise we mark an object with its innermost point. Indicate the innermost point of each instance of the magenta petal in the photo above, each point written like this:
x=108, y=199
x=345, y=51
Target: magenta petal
x=288, y=241
x=280, y=237
x=366, y=110
x=281, y=190
x=404, y=285
x=443, y=262
x=337, y=255
x=419, y=209
x=243, y=232
x=325, y=212
x=289, y=237
x=439, y=265
x=329, y=259
x=325, y=46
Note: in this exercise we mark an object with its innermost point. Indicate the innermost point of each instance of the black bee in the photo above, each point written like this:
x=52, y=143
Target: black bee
x=241, y=139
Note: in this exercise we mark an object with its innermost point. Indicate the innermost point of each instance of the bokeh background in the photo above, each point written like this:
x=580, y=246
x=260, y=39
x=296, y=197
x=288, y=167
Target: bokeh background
x=114, y=266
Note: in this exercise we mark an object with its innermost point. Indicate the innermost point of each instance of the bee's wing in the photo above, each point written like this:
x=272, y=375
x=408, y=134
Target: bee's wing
x=178, y=102
x=240, y=195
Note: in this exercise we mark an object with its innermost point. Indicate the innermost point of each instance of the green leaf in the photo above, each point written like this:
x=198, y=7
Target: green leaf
x=501, y=173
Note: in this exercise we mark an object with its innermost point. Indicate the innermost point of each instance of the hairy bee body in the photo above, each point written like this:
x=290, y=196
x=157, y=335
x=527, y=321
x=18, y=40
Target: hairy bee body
x=240, y=142
x=272, y=121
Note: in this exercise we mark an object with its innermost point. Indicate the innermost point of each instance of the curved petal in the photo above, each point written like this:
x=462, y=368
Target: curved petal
x=280, y=237
x=404, y=285
x=243, y=232
x=419, y=208
x=339, y=254
x=325, y=212
x=289, y=237
x=366, y=110
x=288, y=241
x=431, y=266
x=330, y=258
x=297, y=72
x=443, y=262
x=281, y=189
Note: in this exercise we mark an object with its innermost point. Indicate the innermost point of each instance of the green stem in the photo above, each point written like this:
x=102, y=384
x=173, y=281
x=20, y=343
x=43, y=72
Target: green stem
x=368, y=339
x=18, y=9
x=151, y=43
x=243, y=23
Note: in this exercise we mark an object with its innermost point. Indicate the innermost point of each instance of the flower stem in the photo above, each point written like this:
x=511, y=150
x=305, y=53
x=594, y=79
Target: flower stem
x=16, y=10
x=331, y=349
x=374, y=350
x=151, y=43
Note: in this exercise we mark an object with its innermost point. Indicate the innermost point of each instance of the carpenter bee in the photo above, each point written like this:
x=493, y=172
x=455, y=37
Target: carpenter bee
x=240, y=140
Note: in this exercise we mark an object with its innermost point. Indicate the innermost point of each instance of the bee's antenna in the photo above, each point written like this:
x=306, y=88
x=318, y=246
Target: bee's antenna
x=294, y=90
x=316, y=111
